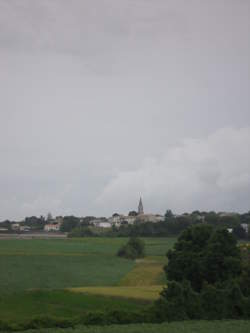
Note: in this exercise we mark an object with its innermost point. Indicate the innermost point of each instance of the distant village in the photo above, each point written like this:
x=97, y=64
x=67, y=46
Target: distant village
x=136, y=222
x=116, y=220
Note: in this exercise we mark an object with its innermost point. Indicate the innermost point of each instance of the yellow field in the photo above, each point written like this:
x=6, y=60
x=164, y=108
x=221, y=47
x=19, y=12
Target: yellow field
x=147, y=293
x=147, y=272
x=144, y=282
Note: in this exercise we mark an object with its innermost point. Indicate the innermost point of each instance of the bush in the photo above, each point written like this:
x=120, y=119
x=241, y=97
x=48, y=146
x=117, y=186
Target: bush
x=135, y=248
x=178, y=302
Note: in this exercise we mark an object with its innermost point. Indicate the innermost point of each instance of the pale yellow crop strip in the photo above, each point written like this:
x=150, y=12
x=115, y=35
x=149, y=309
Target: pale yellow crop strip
x=149, y=293
x=146, y=272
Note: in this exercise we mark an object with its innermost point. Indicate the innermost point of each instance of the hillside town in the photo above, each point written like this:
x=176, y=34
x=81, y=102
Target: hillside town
x=136, y=222
x=51, y=224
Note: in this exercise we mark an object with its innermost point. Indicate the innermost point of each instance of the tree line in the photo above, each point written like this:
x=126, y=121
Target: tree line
x=171, y=226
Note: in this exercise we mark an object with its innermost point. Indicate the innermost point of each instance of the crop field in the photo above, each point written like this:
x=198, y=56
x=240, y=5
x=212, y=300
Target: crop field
x=26, y=272
x=147, y=272
x=56, y=264
x=80, y=246
x=147, y=293
x=65, y=277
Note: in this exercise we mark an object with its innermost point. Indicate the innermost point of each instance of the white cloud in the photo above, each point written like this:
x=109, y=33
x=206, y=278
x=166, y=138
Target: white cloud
x=208, y=173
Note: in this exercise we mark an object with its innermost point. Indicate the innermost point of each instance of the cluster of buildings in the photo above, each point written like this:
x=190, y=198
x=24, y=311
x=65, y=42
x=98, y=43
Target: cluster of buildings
x=19, y=227
x=15, y=227
x=118, y=220
x=54, y=224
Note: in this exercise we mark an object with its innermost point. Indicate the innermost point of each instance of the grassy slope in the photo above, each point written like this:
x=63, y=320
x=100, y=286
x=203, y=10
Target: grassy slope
x=230, y=326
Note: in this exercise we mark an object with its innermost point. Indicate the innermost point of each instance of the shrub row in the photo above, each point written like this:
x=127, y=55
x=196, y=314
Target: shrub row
x=88, y=318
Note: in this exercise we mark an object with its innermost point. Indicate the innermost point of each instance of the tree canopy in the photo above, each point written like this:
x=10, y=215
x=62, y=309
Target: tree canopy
x=204, y=255
x=208, y=277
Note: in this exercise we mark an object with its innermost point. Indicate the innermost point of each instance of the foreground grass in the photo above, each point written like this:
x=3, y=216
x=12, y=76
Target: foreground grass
x=229, y=326
x=147, y=293
x=21, y=307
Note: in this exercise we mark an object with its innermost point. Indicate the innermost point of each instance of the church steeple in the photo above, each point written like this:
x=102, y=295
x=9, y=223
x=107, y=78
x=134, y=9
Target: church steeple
x=140, y=208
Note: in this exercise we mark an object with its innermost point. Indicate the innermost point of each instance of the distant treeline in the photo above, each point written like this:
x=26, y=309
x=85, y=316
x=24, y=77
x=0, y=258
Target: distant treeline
x=171, y=226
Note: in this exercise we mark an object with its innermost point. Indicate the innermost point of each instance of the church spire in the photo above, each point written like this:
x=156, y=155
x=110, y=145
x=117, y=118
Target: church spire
x=140, y=208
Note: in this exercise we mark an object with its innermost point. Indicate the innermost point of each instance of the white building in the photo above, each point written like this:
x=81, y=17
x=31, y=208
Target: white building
x=25, y=228
x=245, y=227
x=15, y=226
x=150, y=218
x=130, y=219
x=52, y=227
x=101, y=223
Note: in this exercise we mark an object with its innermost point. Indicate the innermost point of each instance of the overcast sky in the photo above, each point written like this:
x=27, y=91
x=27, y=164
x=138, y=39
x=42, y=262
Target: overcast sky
x=102, y=101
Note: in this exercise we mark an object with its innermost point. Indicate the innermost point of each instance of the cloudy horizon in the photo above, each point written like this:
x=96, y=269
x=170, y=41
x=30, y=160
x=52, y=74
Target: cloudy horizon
x=106, y=101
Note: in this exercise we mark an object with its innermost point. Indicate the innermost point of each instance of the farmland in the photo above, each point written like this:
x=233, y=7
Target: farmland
x=65, y=277
x=79, y=246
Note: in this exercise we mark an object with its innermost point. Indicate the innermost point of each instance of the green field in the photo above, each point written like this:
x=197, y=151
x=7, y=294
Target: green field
x=64, y=278
x=229, y=326
x=55, y=272
x=78, y=246
x=20, y=307
x=68, y=277
x=56, y=264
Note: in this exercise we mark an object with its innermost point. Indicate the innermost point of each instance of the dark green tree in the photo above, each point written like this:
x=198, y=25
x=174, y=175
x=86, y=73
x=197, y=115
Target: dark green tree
x=69, y=223
x=221, y=260
x=135, y=248
x=239, y=232
x=168, y=214
x=202, y=255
